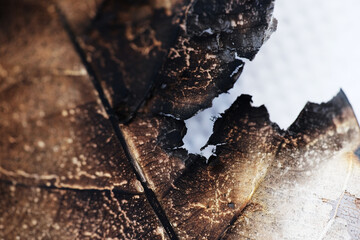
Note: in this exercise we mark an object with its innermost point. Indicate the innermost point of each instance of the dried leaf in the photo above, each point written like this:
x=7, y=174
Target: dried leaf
x=71, y=168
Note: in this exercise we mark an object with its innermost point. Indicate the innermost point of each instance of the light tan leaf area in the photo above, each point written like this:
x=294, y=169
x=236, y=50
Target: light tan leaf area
x=93, y=98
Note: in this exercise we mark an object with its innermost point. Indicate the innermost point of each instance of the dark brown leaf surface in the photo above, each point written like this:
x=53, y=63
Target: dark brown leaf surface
x=54, y=131
x=55, y=134
x=154, y=144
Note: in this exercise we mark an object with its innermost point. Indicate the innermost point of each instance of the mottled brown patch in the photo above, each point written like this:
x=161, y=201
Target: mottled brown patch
x=54, y=130
x=30, y=212
x=74, y=148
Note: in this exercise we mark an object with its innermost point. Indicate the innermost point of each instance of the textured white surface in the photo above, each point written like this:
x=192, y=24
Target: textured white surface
x=314, y=52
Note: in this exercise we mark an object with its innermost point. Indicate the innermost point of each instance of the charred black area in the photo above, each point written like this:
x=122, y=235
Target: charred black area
x=317, y=118
x=238, y=116
x=233, y=22
x=205, y=61
x=318, y=129
x=126, y=45
x=171, y=134
x=178, y=84
x=170, y=140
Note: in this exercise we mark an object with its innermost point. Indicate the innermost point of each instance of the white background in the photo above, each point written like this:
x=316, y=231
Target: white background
x=314, y=52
